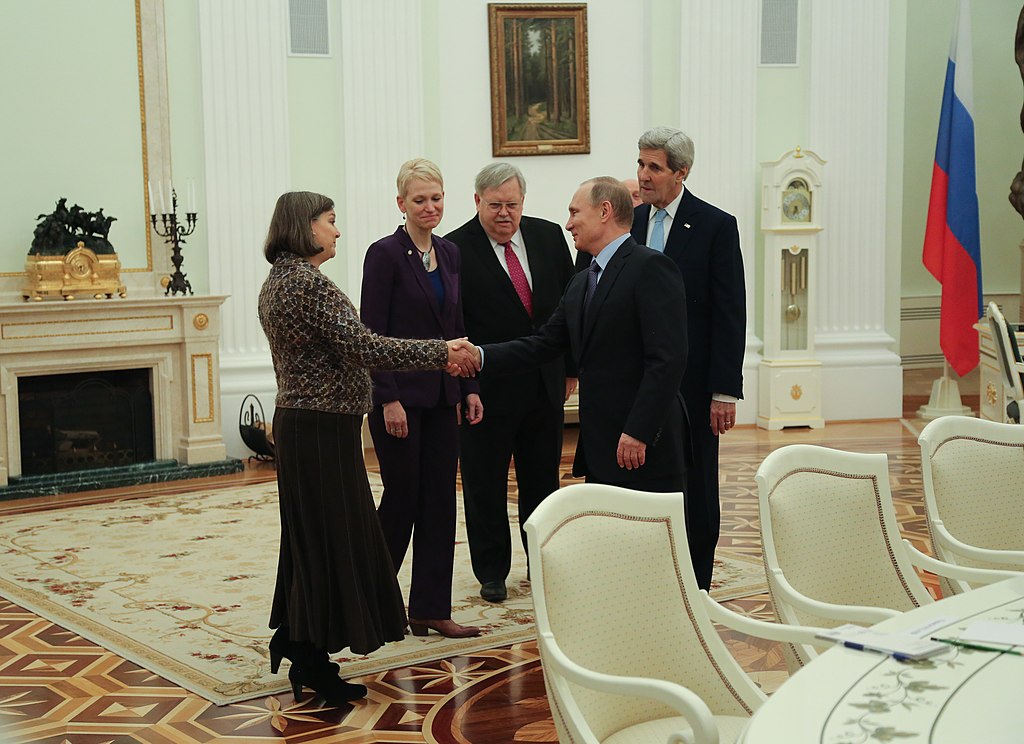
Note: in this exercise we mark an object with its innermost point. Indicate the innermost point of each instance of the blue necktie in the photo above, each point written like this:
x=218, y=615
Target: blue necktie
x=595, y=269
x=658, y=233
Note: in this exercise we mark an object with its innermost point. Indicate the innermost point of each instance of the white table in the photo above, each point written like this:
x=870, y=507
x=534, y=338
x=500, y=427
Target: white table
x=957, y=697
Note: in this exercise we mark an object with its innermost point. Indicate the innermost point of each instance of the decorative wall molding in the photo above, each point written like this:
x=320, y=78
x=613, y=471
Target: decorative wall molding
x=383, y=118
x=243, y=53
x=245, y=139
x=718, y=62
x=156, y=129
x=919, y=327
x=847, y=127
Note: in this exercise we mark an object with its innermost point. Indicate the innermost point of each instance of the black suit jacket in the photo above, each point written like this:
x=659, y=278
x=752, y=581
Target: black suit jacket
x=493, y=311
x=399, y=300
x=630, y=351
x=704, y=242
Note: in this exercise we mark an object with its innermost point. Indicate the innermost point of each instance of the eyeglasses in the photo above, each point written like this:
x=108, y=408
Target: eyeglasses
x=497, y=206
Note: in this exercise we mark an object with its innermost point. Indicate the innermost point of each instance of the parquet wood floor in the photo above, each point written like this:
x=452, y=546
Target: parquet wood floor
x=57, y=687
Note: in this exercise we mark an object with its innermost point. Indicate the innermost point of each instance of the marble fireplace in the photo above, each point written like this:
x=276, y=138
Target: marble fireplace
x=173, y=339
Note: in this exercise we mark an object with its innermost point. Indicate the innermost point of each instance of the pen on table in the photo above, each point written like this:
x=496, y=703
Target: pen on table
x=861, y=647
x=977, y=646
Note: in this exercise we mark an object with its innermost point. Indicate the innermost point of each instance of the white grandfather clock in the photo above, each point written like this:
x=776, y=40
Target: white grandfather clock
x=789, y=377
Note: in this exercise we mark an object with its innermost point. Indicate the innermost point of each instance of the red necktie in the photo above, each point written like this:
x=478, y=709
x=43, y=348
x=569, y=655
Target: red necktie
x=518, y=276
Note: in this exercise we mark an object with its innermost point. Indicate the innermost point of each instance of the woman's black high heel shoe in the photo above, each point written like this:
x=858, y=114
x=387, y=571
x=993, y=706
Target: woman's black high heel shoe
x=283, y=648
x=327, y=684
x=316, y=672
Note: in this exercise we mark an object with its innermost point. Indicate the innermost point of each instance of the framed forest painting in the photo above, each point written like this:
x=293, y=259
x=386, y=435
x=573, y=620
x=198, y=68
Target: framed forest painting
x=539, y=95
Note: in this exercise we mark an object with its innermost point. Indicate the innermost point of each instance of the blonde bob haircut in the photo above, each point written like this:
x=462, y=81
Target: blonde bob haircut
x=418, y=169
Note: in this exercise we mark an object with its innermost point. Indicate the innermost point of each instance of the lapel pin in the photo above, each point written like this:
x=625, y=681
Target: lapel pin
x=409, y=253
x=686, y=225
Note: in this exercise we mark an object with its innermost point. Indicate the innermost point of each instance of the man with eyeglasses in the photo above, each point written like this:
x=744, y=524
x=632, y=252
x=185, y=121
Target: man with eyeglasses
x=514, y=271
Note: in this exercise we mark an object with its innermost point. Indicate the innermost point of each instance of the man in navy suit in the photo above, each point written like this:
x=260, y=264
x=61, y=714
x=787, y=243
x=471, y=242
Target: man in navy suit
x=704, y=243
x=622, y=323
x=514, y=271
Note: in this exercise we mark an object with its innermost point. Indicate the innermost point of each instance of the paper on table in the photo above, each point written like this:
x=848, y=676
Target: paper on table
x=930, y=626
x=989, y=632
x=895, y=644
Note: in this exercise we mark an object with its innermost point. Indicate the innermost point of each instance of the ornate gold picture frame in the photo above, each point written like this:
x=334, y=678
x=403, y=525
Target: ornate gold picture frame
x=539, y=91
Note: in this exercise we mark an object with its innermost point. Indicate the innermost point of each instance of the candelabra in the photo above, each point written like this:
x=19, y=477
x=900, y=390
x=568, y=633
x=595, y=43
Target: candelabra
x=174, y=233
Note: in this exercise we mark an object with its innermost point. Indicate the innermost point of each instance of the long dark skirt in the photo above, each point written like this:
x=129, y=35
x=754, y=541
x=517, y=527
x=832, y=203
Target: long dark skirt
x=336, y=587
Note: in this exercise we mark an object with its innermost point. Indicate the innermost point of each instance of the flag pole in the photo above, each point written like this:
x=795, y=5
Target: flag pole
x=945, y=398
x=952, y=239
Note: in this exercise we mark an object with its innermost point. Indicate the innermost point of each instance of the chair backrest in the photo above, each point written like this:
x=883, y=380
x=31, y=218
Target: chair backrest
x=1007, y=351
x=974, y=484
x=612, y=582
x=828, y=523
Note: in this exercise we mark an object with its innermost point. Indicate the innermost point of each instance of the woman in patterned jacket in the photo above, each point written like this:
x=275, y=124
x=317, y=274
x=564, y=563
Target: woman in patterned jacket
x=336, y=586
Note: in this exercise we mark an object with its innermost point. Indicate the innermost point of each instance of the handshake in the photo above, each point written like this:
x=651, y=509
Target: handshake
x=463, y=358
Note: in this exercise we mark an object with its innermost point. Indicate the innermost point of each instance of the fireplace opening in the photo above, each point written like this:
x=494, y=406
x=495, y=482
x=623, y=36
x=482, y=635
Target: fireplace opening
x=85, y=420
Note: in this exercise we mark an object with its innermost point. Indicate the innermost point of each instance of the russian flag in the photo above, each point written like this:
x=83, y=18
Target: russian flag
x=952, y=242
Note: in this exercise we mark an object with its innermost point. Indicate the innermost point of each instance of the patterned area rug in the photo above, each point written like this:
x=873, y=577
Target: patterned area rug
x=181, y=585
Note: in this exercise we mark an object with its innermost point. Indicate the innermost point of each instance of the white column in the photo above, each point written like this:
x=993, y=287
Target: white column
x=245, y=138
x=381, y=68
x=718, y=107
x=847, y=126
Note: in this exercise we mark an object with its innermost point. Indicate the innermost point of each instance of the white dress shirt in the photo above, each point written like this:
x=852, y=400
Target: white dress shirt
x=519, y=249
x=670, y=214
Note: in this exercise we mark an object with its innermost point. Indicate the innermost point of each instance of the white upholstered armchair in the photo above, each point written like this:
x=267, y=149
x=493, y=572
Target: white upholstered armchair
x=974, y=493
x=627, y=642
x=1008, y=355
x=832, y=547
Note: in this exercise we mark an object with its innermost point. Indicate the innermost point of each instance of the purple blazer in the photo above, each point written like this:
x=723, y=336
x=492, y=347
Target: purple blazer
x=398, y=300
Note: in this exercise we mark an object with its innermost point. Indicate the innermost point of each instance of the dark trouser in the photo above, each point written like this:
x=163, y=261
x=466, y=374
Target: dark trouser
x=703, y=513
x=419, y=491
x=533, y=436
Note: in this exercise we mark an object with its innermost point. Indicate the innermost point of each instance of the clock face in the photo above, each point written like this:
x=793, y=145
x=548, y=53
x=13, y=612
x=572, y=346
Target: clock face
x=796, y=205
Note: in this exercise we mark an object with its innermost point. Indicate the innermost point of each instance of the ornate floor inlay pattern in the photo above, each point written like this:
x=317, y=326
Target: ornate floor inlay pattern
x=56, y=687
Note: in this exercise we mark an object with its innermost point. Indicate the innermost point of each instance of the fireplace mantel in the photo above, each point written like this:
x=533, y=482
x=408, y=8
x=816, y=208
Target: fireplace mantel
x=174, y=337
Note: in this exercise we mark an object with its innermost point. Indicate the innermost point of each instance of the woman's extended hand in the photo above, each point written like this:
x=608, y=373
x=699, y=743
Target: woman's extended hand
x=395, y=421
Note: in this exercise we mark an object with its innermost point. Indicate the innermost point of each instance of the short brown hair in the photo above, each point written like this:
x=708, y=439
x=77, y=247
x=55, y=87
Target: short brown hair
x=290, y=226
x=608, y=189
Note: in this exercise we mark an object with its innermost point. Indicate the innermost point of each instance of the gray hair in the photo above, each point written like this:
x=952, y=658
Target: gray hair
x=678, y=148
x=493, y=175
x=608, y=189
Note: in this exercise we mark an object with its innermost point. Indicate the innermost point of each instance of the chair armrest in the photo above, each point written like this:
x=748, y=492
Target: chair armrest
x=688, y=703
x=843, y=613
x=760, y=629
x=982, y=555
x=952, y=571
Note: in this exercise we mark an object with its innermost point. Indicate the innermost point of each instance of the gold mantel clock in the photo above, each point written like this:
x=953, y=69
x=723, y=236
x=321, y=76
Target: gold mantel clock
x=789, y=392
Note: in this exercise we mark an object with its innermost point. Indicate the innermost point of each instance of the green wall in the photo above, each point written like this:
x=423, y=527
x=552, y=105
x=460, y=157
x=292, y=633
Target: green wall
x=72, y=123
